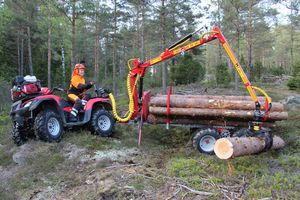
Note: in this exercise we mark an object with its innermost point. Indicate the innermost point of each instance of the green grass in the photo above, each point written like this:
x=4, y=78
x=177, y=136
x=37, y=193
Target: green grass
x=38, y=165
x=271, y=174
x=5, y=158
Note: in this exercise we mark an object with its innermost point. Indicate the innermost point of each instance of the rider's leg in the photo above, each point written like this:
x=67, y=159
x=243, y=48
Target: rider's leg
x=85, y=98
x=76, y=107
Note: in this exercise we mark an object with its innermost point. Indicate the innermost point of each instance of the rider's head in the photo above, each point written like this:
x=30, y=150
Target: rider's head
x=80, y=69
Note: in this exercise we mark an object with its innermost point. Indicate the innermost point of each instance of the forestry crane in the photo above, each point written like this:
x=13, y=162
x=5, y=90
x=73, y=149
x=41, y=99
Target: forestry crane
x=138, y=100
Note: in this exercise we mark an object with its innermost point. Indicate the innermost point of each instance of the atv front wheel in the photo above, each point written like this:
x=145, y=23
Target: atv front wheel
x=102, y=123
x=18, y=135
x=48, y=126
x=204, y=141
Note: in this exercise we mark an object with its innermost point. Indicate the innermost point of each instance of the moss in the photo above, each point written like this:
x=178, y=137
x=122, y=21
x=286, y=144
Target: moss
x=38, y=166
x=282, y=184
x=6, y=158
x=7, y=195
x=138, y=182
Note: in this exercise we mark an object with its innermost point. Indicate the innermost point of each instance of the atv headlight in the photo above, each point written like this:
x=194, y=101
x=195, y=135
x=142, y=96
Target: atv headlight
x=28, y=104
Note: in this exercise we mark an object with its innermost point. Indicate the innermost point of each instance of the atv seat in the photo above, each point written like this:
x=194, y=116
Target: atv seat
x=66, y=103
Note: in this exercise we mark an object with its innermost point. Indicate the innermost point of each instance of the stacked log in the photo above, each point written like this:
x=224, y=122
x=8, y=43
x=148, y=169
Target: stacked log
x=226, y=148
x=210, y=110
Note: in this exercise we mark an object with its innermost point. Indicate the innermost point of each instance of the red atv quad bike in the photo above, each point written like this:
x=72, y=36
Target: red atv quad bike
x=37, y=112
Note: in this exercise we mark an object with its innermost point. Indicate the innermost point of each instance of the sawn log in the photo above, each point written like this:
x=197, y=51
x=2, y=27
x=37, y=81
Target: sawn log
x=156, y=119
x=210, y=103
x=226, y=148
x=215, y=113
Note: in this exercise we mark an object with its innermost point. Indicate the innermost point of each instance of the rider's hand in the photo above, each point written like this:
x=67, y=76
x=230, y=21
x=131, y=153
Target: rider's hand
x=92, y=82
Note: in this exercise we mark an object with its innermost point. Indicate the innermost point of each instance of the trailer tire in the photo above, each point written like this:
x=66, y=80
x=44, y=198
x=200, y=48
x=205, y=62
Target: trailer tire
x=204, y=141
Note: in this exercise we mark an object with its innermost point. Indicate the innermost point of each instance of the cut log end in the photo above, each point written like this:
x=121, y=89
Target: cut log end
x=226, y=148
x=223, y=148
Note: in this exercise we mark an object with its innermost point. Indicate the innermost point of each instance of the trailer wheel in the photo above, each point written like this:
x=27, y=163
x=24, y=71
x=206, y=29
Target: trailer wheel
x=204, y=141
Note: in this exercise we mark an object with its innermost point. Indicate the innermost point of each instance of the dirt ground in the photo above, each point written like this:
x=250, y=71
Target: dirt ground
x=165, y=166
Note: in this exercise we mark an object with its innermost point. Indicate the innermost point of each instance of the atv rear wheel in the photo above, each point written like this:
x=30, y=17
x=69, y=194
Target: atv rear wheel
x=102, y=123
x=48, y=126
x=204, y=141
x=18, y=135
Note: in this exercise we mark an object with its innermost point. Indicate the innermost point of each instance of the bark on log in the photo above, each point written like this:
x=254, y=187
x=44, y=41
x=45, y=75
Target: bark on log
x=155, y=119
x=226, y=148
x=215, y=113
x=211, y=103
x=244, y=98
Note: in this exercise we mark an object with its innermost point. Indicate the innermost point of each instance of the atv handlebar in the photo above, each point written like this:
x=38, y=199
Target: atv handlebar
x=57, y=89
x=101, y=92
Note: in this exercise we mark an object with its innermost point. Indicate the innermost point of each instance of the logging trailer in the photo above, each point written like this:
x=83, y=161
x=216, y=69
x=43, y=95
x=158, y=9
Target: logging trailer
x=207, y=131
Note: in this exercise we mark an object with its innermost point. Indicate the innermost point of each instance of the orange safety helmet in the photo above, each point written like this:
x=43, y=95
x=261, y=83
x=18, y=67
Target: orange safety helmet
x=76, y=69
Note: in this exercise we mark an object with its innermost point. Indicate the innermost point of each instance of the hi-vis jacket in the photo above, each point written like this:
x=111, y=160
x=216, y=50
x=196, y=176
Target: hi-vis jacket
x=78, y=85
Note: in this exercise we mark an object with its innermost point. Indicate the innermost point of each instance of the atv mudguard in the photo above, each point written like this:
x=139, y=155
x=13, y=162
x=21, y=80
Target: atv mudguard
x=92, y=104
x=36, y=103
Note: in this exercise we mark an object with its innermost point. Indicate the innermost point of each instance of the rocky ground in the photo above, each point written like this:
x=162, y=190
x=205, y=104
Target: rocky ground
x=165, y=166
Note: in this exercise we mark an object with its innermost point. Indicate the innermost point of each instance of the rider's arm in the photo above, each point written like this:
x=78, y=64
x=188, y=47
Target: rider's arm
x=79, y=83
x=84, y=86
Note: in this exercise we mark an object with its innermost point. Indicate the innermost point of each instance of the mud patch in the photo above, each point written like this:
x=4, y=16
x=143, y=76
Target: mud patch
x=115, y=155
x=72, y=151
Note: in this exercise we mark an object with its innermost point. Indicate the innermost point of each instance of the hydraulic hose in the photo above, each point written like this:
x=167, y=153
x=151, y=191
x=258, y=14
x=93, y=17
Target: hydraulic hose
x=130, y=112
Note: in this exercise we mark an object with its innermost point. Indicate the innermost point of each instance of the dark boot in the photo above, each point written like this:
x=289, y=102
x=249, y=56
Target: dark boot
x=72, y=117
x=74, y=112
x=85, y=99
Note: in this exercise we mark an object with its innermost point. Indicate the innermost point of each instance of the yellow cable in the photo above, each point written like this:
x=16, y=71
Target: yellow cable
x=129, y=113
x=209, y=32
x=263, y=92
x=128, y=63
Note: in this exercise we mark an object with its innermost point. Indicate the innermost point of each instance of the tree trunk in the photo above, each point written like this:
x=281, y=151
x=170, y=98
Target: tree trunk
x=49, y=57
x=226, y=148
x=114, y=50
x=250, y=34
x=18, y=52
x=143, y=32
x=220, y=49
x=29, y=51
x=63, y=65
x=105, y=57
x=210, y=103
x=73, y=35
x=236, y=76
x=200, y=113
x=292, y=38
x=97, y=44
x=22, y=56
x=137, y=23
x=163, y=41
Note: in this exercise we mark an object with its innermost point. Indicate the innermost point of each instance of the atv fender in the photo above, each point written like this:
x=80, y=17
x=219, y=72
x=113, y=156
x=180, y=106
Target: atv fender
x=48, y=101
x=92, y=106
x=17, y=113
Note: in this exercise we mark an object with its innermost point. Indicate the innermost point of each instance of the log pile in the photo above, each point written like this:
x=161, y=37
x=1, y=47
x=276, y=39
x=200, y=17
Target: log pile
x=210, y=110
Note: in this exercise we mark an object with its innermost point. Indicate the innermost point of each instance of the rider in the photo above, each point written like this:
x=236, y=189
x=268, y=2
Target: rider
x=76, y=92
